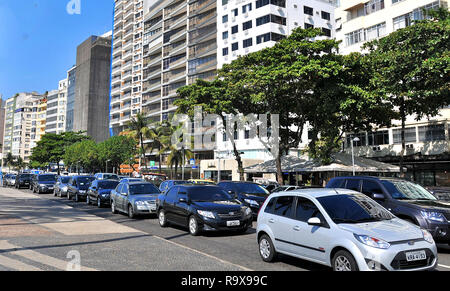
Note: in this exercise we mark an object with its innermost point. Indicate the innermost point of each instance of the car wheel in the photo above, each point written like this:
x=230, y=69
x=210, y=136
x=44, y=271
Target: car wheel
x=54, y=193
x=77, y=199
x=68, y=196
x=193, y=226
x=131, y=212
x=113, y=207
x=266, y=249
x=344, y=261
x=88, y=200
x=162, y=218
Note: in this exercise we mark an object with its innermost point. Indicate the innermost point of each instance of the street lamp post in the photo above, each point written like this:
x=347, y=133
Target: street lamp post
x=353, y=155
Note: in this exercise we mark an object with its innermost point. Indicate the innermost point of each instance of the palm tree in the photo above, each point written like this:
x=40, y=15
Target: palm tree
x=139, y=129
x=9, y=160
x=157, y=133
x=19, y=164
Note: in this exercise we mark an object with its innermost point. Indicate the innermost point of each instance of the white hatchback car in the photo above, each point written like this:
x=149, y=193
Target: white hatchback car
x=343, y=229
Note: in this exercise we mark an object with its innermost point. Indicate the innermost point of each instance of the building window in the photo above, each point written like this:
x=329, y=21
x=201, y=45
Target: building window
x=235, y=12
x=224, y=2
x=263, y=38
x=246, y=8
x=262, y=20
x=247, y=42
x=261, y=3
x=431, y=133
x=225, y=18
x=225, y=52
x=396, y=1
x=247, y=134
x=234, y=29
x=379, y=138
x=225, y=35
x=247, y=25
x=361, y=143
x=308, y=10
x=376, y=31
x=326, y=31
x=373, y=6
x=326, y=15
x=270, y=18
x=235, y=46
x=307, y=25
x=410, y=135
x=354, y=37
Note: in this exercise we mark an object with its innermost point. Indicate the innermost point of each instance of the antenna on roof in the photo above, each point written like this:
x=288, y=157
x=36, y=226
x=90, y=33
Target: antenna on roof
x=335, y=190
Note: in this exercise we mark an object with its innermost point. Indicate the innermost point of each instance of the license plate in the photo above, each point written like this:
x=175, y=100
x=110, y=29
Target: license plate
x=416, y=256
x=233, y=223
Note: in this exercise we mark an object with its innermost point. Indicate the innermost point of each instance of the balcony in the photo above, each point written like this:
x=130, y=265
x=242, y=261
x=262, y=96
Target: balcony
x=174, y=48
x=174, y=9
x=200, y=50
x=199, y=6
x=174, y=76
x=202, y=19
x=116, y=80
x=115, y=90
x=115, y=100
x=174, y=22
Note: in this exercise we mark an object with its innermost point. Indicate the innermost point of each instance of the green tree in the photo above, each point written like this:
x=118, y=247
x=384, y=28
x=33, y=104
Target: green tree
x=9, y=161
x=157, y=133
x=410, y=69
x=19, y=164
x=138, y=129
x=117, y=150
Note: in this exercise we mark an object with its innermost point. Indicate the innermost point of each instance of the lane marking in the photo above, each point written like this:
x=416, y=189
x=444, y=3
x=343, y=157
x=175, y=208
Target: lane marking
x=204, y=254
x=16, y=265
x=38, y=257
x=444, y=266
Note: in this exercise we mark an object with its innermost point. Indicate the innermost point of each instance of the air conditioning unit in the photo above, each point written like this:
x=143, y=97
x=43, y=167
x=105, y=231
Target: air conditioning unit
x=376, y=149
x=410, y=146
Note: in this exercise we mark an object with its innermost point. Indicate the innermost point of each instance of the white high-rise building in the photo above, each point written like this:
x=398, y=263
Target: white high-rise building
x=245, y=26
x=56, y=109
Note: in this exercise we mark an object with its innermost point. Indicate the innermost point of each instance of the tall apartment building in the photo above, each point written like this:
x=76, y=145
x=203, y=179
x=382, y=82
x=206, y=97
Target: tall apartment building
x=428, y=146
x=126, y=73
x=2, y=121
x=56, y=109
x=39, y=118
x=71, y=82
x=19, y=136
x=246, y=26
x=92, y=87
x=176, y=46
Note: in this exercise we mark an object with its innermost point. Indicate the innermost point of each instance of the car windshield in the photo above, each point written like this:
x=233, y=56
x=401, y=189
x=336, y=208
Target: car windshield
x=110, y=177
x=47, y=178
x=139, y=189
x=65, y=180
x=353, y=208
x=107, y=184
x=250, y=188
x=85, y=180
x=25, y=176
x=181, y=182
x=404, y=190
x=208, y=193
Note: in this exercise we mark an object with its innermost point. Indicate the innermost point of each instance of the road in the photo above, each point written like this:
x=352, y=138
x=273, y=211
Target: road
x=39, y=232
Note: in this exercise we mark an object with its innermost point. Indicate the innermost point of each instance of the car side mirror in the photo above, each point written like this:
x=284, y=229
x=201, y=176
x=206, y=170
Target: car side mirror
x=315, y=221
x=378, y=196
x=183, y=200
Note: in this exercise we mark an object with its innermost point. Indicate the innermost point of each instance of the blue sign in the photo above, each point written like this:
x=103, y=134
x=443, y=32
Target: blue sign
x=192, y=161
x=194, y=167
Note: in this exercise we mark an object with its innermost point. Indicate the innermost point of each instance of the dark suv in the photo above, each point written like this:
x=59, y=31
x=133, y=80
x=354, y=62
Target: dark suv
x=23, y=180
x=250, y=194
x=407, y=200
x=44, y=183
x=78, y=186
x=202, y=208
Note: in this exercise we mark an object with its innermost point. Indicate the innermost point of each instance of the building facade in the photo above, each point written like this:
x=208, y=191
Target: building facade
x=57, y=109
x=92, y=87
x=427, y=156
x=71, y=82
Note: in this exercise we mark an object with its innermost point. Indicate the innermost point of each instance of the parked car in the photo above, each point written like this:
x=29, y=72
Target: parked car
x=10, y=180
x=251, y=194
x=78, y=186
x=134, y=198
x=343, y=229
x=406, y=200
x=202, y=208
x=23, y=181
x=61, y=186
x=106, y=176
x=202, y=182
x=99, y=192
x=43, y=183
x=166, y=185
x=130, y=180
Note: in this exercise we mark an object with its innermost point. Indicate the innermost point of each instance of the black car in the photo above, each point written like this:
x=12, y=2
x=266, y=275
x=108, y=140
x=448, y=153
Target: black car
x=78, y=187
x=99, y=192
x=251, y=194
x=166, y=185
x=43, y=183
x=23, y=181
x=406, y=200
x=202, y=208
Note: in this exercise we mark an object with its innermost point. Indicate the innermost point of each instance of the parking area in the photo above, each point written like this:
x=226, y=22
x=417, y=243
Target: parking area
x=53, y=226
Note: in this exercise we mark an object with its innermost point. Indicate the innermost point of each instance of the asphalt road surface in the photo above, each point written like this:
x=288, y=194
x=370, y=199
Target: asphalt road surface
x=42, y=232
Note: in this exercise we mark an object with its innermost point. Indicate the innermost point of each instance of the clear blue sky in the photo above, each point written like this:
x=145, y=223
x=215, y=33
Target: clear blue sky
x=38, y=40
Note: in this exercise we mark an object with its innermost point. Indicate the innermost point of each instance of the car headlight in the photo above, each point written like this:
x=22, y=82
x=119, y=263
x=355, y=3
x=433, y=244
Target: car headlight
x=140, y=203
x=427, y=236
x=247, y=211
x=104, y=195
x=433, y=216
x=207, y=214
x=42, y=185
x=251, y=202
x=64, y=189
x=372, y=241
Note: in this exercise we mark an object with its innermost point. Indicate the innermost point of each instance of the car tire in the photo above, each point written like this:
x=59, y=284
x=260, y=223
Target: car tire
x=162, y=218
x=344, y=261
x=99, y=203
x=77, y=199
x=88, y=200
x=194, y=229
x=266, y=249
x=113, y=207
x=68, y=196
x=131, y=212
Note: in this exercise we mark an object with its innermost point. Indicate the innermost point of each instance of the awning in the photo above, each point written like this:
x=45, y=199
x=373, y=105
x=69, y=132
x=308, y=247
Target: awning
x=341, y=162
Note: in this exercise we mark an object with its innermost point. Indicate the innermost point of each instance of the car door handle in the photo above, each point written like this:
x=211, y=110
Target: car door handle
x=271, y=221
x=296, y=228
